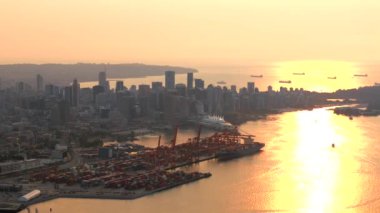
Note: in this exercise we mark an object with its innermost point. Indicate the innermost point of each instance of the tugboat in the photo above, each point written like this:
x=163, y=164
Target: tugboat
x=250, y=147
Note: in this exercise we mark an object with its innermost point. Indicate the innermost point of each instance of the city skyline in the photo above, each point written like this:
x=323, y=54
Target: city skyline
x=137, y=105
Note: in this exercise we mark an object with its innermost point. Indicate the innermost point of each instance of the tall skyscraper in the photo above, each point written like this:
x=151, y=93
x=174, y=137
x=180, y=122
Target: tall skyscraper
x=251, y=87
x=190, y=81
x=199, y=83
x=75, y=94
x=40, y=83
x=102, y=78
x=68, y=94
x=169, y=79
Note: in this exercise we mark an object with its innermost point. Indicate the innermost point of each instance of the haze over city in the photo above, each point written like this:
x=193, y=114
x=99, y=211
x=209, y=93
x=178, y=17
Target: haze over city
x=189, y=106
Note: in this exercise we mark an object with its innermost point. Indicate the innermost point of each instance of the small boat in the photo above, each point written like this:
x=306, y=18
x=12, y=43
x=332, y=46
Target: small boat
x=332, y=78
x=221, y=82
x=256, y=76
x=351, y=118
x=377, y=84
x=333, y=145
x=360, y=75
x=298, y=73
x=285, y=82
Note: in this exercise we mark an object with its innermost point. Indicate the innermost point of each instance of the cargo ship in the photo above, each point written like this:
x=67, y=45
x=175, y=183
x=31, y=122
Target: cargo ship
x=298, y=73
x=361, y=75
x=285, y=82
x=256, y=76
x=250, y=147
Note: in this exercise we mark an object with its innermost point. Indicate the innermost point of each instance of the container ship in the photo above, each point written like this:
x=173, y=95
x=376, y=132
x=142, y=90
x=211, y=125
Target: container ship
x=285, y=82
x=361, y=75
x=250, y=147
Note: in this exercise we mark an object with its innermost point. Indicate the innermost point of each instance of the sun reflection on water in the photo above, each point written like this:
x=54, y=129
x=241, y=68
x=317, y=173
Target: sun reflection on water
x=315, y=176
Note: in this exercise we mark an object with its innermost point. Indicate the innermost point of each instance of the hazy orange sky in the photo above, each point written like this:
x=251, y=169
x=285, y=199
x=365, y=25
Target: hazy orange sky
x=194, y=32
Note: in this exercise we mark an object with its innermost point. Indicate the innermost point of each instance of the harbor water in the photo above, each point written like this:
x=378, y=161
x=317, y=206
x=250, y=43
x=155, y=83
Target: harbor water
x=298, y=171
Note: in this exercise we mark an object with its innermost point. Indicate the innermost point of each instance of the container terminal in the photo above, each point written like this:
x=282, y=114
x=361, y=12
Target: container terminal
x=127, y=175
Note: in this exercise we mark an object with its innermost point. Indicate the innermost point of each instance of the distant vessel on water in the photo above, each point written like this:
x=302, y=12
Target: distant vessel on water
x=377, y=84
x=360, y=75
x=256, y=76
x=332, y=78
x=221, y=82
x=298, y=73
x=285, y=82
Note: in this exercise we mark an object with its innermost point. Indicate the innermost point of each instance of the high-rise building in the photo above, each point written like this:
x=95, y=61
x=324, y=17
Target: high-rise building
x=102, y=79
x=40, y=83
x=144, y=90
x=68, y=94
x=199, y=83
x=270, y=89
x=190, y=81
x=169, y=79
x=20, y=87
x=181, y=89
x=97, y=90
x=51, y=89
x=75, y=94
x=233, y=88
x=119, y=86
x=156, y=86
x=251, y=87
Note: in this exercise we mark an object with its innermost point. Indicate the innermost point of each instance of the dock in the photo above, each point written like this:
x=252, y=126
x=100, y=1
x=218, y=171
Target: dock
x=131, y=176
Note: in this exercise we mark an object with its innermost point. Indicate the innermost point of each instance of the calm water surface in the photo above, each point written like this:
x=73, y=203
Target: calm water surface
x=298, y=171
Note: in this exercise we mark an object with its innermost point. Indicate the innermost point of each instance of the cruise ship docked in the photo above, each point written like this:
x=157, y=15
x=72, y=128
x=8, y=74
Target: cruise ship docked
x=215, y=122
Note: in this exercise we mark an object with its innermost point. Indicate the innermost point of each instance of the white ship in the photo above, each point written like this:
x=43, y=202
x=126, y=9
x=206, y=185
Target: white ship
x=215, y=122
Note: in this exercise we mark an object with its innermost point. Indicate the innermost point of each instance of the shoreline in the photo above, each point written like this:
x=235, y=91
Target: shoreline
x=110, y=197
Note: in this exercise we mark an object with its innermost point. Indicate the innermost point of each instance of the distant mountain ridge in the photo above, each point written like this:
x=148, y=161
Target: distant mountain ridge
x=63, y=73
